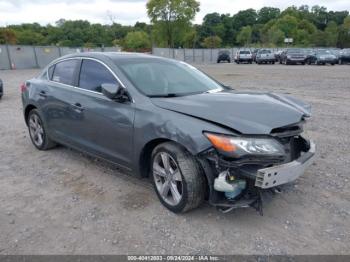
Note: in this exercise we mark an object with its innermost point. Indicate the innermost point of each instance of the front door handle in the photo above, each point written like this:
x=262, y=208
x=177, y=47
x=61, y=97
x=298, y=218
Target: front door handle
x=43, y=94
x=78, y=107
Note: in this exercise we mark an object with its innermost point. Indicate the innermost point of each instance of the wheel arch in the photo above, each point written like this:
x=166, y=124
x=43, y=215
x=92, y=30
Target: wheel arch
x=146, y=154
x=28, y=108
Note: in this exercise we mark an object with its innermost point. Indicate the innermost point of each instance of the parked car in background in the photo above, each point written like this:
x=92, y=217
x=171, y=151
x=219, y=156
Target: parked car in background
x=224, y=55
x=321, y=57
x=265, y=56
x=336, y=52
x=293, y=56
x=166, y=120
x=1, y=88
x=244, y=56
x=278, y=55
x=344, y=57
x=255, y=51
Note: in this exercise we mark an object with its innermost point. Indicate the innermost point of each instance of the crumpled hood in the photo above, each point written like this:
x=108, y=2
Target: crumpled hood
x=247, y=113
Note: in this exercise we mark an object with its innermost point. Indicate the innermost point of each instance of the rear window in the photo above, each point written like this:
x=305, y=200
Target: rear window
x=244, y=52
x=64, y=72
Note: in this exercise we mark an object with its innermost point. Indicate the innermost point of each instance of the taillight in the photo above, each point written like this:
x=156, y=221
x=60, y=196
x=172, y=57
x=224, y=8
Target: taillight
x=23, y=87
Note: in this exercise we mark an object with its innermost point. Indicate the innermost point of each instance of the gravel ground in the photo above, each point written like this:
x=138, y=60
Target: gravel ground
x=63, y=202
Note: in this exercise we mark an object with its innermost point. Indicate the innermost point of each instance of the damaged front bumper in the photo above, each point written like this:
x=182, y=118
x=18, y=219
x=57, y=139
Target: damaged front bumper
x=285, y=173
x=258, y=180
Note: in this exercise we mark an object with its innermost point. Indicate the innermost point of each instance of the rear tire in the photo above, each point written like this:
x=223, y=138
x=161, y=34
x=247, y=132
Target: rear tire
x=177, y=178
x=38, y=132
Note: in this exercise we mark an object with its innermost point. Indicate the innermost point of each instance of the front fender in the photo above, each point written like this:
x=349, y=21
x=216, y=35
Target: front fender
x=154, y=123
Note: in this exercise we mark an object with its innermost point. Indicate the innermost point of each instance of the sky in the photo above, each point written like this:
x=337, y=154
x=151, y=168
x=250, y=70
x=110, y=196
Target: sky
x=127, y=12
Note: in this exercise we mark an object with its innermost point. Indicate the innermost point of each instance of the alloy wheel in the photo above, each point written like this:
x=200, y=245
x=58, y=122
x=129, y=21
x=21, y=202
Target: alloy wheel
x=167, y=178
x=36, y=130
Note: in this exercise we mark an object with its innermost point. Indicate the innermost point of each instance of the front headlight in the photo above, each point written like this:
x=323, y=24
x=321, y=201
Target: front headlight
x=289, y=56
x=244, y=146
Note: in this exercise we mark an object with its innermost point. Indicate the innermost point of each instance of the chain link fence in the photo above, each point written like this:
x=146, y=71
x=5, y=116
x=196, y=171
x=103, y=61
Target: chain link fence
x=24, y=57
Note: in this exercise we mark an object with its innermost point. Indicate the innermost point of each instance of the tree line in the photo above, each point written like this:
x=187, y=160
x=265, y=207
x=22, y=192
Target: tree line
x=172, y=26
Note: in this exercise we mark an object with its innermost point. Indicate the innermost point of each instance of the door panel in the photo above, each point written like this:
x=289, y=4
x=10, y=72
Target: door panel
x=105, y=127
x=58, y=94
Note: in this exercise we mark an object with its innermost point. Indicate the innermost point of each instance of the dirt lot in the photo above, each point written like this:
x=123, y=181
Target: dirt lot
x=62, y=202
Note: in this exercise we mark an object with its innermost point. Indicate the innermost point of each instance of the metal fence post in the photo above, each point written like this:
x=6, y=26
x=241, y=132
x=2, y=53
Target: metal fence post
x=9, y=56
x=59, y=51
x=35, y=57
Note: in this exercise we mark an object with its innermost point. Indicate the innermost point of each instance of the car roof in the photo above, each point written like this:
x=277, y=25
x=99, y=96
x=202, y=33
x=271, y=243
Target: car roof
x=115, y=56
x=112, y=55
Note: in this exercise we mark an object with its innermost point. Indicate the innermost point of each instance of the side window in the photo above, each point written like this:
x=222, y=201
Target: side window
x=50, y=71
x=93, y=74
x=64, y=72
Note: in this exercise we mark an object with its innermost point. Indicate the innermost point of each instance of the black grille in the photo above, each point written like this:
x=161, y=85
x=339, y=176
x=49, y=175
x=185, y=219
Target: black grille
x=289, y=136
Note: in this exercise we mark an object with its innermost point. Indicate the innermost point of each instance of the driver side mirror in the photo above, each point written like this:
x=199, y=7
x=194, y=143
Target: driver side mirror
x=114, y=92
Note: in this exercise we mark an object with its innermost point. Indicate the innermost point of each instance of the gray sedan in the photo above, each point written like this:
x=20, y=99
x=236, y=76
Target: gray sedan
x=195, y=138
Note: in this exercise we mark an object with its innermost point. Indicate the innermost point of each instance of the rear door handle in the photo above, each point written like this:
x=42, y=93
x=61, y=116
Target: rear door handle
x=78, y=107
x=43, y=94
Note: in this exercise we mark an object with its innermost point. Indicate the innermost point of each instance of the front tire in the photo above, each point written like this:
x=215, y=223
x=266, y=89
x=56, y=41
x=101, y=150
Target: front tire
x=37, y=131
x=177, y=178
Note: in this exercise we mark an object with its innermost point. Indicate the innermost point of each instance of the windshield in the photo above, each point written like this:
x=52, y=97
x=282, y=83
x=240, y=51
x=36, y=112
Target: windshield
x=265, y=52
x=295, y=51
x=155, y=77
x=244, y=52
x=324, y=52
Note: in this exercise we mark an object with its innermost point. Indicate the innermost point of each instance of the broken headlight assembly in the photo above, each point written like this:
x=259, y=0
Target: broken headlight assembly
x=241, y=147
